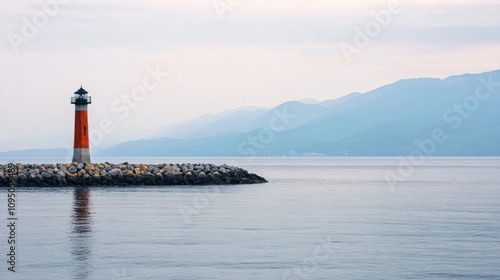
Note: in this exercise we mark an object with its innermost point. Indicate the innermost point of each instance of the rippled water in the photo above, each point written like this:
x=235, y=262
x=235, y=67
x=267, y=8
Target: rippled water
x=317, y=218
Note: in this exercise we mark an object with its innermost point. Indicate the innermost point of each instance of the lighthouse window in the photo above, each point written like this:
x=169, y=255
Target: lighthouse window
x=84, y=130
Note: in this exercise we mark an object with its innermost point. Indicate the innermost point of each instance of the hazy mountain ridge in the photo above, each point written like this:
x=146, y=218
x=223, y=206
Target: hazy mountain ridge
x=386, y=121
x=233, y=120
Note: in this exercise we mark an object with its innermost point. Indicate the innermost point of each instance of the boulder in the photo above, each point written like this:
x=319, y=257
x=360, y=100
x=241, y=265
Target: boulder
x=72, y=169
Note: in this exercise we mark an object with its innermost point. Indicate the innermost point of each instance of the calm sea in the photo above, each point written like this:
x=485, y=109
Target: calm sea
x=317, y=218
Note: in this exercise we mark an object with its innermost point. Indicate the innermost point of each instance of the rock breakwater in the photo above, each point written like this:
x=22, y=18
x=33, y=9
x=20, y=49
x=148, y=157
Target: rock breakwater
x=126, y=174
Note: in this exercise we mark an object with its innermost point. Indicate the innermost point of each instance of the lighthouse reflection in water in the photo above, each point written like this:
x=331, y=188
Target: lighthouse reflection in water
x=80, y=237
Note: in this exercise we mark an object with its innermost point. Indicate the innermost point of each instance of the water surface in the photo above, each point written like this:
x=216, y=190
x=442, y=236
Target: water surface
x=317, y=218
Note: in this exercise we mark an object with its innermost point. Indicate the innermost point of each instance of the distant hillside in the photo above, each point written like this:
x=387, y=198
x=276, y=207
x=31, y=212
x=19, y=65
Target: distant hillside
x=384, y=122
x=234, y=120
x=388, y=121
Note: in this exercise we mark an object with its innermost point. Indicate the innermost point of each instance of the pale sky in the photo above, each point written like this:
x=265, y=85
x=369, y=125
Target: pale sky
x=257, y=52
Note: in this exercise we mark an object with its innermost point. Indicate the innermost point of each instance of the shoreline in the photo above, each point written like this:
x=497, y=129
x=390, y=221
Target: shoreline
x=126, y=174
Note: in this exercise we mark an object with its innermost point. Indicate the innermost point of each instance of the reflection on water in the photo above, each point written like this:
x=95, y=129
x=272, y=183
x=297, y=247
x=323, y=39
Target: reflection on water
x=80, y=236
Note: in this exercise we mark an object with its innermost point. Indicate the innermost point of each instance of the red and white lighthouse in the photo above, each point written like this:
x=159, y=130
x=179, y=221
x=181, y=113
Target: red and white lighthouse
x=81, y=152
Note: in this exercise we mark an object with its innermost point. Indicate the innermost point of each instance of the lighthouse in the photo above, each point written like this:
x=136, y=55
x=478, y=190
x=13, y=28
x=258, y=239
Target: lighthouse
x=81, y=152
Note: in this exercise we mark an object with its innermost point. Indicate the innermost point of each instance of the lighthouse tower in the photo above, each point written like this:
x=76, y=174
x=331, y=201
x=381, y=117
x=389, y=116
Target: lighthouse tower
x=81, y=152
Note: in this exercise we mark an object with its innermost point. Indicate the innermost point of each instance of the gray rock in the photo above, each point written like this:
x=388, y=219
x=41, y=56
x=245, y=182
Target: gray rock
x=72, y=169
x=208, y=168
x=23, y=179
x=201, y=175
x=184, y=169
x=115, y=172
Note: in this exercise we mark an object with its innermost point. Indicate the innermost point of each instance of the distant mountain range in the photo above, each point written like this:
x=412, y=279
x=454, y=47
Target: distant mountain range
x=389, y=121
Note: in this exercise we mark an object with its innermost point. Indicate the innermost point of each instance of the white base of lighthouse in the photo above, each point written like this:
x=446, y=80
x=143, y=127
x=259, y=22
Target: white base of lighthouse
x=81, y=155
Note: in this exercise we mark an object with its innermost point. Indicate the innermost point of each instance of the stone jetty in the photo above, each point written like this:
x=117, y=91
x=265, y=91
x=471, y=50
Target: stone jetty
x=125, y=174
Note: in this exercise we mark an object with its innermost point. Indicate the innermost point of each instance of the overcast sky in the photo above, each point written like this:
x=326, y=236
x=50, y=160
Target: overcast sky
x=218, y=56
